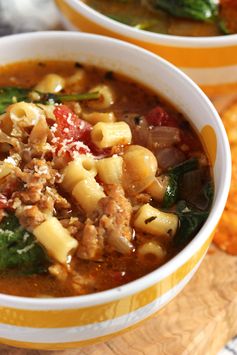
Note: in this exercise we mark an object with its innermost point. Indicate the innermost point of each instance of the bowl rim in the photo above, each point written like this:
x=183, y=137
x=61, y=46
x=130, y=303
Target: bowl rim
x=186, y=253
x=146, y=36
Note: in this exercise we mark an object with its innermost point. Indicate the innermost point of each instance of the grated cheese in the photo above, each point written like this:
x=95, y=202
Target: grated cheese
x=26, y=249
x=43, y=169
x=68, y=144
x=8, y=232
x=25, y=236
x=54, y=127
x=55, y=140
x=69, y=119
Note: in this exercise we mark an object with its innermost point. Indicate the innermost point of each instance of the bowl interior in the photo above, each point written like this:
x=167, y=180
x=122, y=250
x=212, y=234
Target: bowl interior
x=147, y=36
x=129, y=60
x=154, y=73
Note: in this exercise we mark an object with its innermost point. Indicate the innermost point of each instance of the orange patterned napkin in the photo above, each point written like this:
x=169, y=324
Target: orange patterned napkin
x=226, y=235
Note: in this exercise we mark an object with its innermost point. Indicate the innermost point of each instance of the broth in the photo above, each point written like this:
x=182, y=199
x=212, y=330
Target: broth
x=140, y=218
x=146, y=16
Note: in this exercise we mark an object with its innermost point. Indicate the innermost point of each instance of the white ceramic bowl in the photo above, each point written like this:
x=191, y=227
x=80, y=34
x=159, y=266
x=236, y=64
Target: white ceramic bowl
x=209, y=61
x=73, y=321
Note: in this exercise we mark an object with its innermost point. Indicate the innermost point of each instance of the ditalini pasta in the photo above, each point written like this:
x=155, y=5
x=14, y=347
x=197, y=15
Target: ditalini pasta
x=107, y=134
x=153, y=221
x=95, y=117
x=55, y=239
x=158, y=187
x=110, y=170
x=25, y=114
x=140, y=167
x=78, y=170
x=152, y=248
x=106, y=98
x=101, y=180
x=88, y=193
x=78, y=79
x=51, y=83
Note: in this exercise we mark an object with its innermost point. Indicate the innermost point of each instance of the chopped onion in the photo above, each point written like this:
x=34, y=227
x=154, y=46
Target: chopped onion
x=139, y=127
x=191, y=185
x=4, y=138
x=169, y=157
x=163, y=136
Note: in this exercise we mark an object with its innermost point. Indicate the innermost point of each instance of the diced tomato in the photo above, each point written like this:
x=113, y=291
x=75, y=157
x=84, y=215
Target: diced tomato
x=69, y=125
x=158, y=116
x=68, y=153
x=72, y=129
x=100, y=153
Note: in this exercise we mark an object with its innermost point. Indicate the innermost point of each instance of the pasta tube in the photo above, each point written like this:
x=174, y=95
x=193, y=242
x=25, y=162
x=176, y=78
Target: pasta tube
x=140, y=166
x=55, y=239
x=95, y=117
x=78, y=78
x=106, y=135
x=106, y=97
x=25, y=114
x=153, y=221
x=78, y=170
x=88, y=192
x=51, y=83
x=152, y=248
x=110, y=170
x=158, y=188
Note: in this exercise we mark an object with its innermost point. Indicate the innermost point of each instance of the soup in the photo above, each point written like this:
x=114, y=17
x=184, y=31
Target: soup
x=180, y=18
x=101, y=180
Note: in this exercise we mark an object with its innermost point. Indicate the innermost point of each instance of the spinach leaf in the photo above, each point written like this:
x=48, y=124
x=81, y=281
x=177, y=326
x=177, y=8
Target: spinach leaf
x=19, y=249
x=58, y=98
x=203, y=10
x=171, y=193
x=184, y=167
x=10, y=95
x=190, y=221
x=175, y=174
x=135, y=22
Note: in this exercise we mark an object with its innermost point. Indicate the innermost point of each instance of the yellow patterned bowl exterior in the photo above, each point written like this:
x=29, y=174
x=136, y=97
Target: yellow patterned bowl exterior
x=209, y=61
x=75, y=321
